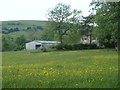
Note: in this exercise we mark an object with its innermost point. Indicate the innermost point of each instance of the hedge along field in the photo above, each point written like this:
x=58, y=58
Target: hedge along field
x=61, y=69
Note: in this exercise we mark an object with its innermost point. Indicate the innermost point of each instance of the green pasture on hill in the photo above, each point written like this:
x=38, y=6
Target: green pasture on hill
x=60, y=69
x=23, y=24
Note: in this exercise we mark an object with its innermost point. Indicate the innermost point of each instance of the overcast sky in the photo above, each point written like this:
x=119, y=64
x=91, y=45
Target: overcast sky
x=36, y=9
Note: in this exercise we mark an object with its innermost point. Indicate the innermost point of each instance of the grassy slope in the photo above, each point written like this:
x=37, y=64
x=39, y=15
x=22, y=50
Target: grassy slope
x=26, y=34
x=83, y=69
x=24, y=24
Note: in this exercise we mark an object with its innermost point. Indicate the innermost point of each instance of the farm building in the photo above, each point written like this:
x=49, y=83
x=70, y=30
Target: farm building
x=37, y=44
x=85, y=39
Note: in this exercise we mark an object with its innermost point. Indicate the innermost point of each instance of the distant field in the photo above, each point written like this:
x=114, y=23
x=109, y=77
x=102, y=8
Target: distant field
x=23, y=24
x=62, y=69
x=23, y=30
x=26, y=34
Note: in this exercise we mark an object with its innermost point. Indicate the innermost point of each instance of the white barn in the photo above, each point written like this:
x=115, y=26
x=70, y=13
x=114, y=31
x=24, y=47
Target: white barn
x=37, y=44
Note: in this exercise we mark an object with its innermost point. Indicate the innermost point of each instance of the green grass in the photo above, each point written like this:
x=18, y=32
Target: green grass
x=24, y=24
x=26, y=34
x=61, y=69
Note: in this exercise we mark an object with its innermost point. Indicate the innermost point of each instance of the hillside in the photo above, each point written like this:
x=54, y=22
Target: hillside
x=16, y=33
x=22, y=25
x=27, y=28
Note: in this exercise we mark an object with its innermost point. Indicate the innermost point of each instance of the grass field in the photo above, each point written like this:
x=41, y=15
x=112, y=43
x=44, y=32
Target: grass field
x=62, y=69
x=23, y=24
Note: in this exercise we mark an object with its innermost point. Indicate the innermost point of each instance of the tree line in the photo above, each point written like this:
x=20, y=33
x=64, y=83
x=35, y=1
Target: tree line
x=103, y=24
x=68, y=26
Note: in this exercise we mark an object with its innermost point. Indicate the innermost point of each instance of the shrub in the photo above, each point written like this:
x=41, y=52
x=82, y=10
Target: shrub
x=75, y=46
x=93, y=46
x=59, y=47
x=44, y=49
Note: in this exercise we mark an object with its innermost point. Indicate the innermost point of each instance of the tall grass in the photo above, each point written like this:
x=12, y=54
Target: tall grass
x=61, y=69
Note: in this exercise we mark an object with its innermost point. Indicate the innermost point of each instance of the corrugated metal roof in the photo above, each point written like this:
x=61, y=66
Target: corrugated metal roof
x=45, y=42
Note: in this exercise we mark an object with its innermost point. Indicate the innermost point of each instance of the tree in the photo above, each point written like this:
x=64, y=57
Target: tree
x=106, y=19
x=118, y=39
x=8, y=43
x=64, y=21
x=20, y=42
x=47, y=35
x=59, y=17
x=32, y=33
x=88, y=25
x=5, y=44
x=73, y=36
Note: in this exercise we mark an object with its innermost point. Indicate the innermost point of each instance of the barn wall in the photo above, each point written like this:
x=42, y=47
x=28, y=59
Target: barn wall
x=46, y=44
x=30, y=46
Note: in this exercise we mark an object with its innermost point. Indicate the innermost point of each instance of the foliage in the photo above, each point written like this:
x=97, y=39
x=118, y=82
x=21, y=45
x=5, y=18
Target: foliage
x=67, y=26
x=20, y=42
x=62, y=19
x=88, y=25
x=29, y=30
x=22, y=25
x=11, y=44
x=106, y=19
x=7, y=43
x=6, y=31
x=73, y=36
x=47, y=35
x=75, y=46
x=32, y=33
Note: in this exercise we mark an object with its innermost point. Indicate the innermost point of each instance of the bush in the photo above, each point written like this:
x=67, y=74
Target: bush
x=93, y=46
x=59, y=47
x=44, y=49
x=75, y=46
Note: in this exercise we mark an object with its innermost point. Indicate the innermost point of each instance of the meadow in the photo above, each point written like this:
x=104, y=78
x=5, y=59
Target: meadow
x=60, y=69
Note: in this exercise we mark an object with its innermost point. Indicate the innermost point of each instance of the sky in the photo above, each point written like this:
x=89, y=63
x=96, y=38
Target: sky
x=36, y=9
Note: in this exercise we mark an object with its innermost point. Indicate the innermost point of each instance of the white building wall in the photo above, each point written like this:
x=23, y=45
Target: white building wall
x=86, y=40
x=44, y=44
x=30, y=46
